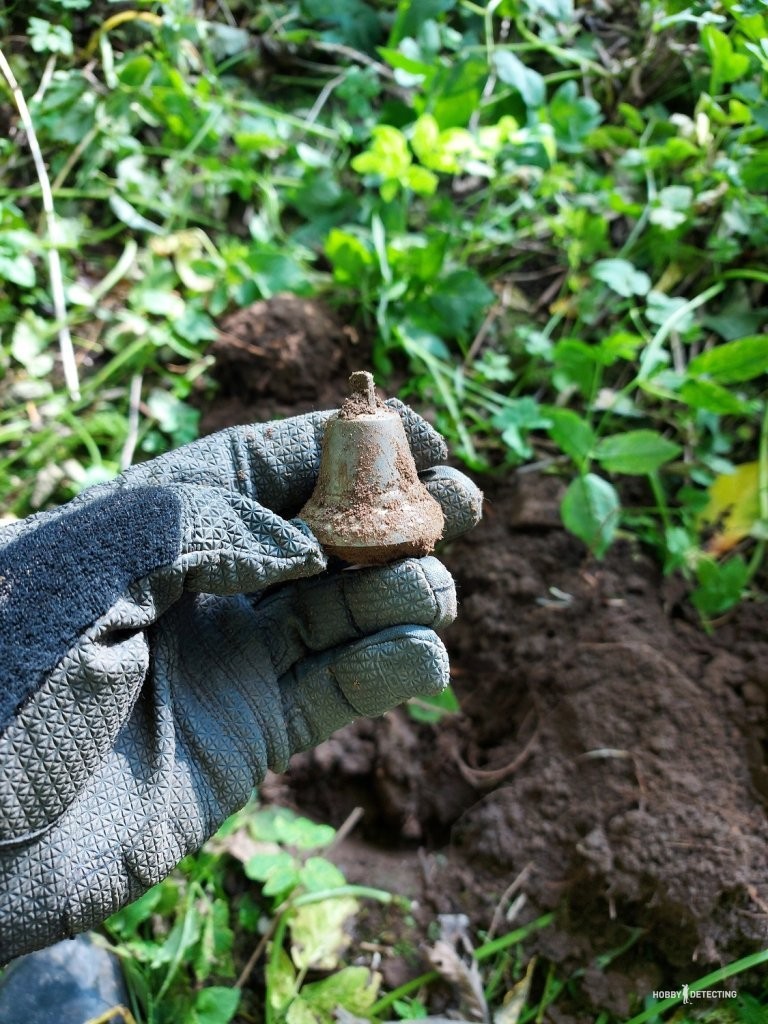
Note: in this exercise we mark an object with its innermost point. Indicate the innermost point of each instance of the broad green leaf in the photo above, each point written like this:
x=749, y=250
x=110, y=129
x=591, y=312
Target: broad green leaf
x=300, y=1012
x=635, y=452
x=318, y=874
x=275, y=272
x=572, y=434
x=720, y=585
x=518, y=417
x=350, y=257
x=590, y=510
x=734, y=361
x=402, y=61
x=706, y=394
x=349, y=22
x=576, y=365
x=261, y=866
x=215, y=1005
x=387, y=156
x=619, y=345
x=354, y=988
x=528, y=82
x=435, y=708
x=131, y=217
x=45, y=37
x=733, y=507
x=460, y=299
x=622, y=277
x=318, y=935
x=31, y=346
x=727, y=65
x=573, y=116
x=281, y=979
x=420, y=180
x=174, y=417
x=17, y=268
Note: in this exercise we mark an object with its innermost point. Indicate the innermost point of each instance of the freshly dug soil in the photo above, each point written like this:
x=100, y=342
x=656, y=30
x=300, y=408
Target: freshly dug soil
x=608, y=762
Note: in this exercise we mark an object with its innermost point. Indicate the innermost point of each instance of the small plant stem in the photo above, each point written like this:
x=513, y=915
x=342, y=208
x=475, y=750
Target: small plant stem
x=347, y=826
x=255, y=956
x=54, y=260
x=364, y=892
x=651, y=353
x=661, y=500
x=277, y=945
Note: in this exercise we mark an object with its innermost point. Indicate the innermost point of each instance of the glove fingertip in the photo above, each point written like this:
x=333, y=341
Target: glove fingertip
x=377, y=674
x=428, y=446
x=460, y=499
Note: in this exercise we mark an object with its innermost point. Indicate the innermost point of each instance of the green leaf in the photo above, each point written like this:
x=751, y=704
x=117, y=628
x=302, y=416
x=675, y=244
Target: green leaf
x=576, y=365
x=573, y=117
x=635, y=452
x=590, y=510
x=572, y=434
x=720, y=585
x=516, y=419
x=131, y=217
x=460, y=299
x=300, y=1012
x=727, y=65
x=31, y=345
x=528, y=82
x=174, y=417
x=260, y=866
x=733, y=361
x=318, y=935
x=349, y=22
x=351, y=258
x=421, y=181
x=47, y=38
x=216, y=1005
x=434, y=708
x=387, y=156
x=17, y=268
x=275, y=272
x=318, y=874
x=707, y=394
x=622, y=277
x=353, y=988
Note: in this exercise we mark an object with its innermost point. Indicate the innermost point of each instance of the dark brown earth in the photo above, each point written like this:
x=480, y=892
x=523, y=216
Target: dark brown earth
x=609, y=759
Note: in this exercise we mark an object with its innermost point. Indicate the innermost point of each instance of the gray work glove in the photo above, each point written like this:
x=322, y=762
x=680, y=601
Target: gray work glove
x=167, y=638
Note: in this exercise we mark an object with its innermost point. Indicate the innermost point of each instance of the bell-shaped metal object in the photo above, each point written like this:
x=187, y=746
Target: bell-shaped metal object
x=369, y=506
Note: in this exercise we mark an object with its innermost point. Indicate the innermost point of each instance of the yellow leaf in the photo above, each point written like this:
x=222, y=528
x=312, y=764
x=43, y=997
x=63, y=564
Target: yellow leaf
x=516, y=998
x=733, y=507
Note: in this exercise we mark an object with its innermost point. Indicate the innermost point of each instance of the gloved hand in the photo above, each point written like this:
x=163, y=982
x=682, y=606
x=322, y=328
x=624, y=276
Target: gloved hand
x=167, y=638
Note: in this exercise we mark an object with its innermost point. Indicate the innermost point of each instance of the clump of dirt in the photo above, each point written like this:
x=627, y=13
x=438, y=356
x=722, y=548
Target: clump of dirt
x=280, y=357
x=608, y=762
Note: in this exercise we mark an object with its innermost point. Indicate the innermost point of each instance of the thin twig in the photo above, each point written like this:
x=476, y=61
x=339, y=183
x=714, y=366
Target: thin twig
x=509, y=892
x=347, y=826
x=256, y=954
x=134, y=401
x=54, y=260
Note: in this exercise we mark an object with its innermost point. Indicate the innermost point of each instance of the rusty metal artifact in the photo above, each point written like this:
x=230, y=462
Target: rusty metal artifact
x=369, y=506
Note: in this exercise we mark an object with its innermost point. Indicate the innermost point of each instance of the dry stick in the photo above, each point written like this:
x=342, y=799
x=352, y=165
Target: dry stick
x=126, y=456
x=54, y=261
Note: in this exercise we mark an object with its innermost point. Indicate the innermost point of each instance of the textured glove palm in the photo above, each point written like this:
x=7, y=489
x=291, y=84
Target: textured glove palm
x=168, y=638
